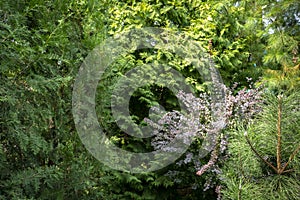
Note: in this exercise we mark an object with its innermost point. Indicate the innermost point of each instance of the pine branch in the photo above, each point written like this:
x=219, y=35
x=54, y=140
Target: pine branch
x=279, y=133
x=290, y=159
x=258, y=155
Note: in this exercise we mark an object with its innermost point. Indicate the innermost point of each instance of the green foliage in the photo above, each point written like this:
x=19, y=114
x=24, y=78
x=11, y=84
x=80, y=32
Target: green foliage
x=264, y=164
x=286, y=78
x=281, y=54
x=223, y=28
x=283, y=23
x=42, y=45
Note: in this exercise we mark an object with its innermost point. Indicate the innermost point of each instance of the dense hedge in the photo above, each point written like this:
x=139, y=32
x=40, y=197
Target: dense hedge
x=42, y=46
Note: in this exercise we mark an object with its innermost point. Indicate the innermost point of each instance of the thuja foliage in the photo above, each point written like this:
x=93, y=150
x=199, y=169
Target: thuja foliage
x=224, y=28
x=42, y=45
x=264, y=157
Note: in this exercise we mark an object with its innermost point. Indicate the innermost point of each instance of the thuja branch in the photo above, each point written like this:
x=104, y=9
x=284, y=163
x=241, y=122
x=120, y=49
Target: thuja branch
x=258, y=155
x=279, y=133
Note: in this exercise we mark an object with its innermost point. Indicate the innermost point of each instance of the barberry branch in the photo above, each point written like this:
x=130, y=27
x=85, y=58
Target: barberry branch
x=213, y=159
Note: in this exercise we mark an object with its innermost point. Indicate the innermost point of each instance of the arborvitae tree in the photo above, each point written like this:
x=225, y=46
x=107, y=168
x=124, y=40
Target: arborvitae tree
x=42, y=44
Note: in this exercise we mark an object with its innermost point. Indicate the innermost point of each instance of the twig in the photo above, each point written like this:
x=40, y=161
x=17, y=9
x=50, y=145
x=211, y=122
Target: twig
x=279, y=133
x=258, y=155
x=290, y=159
